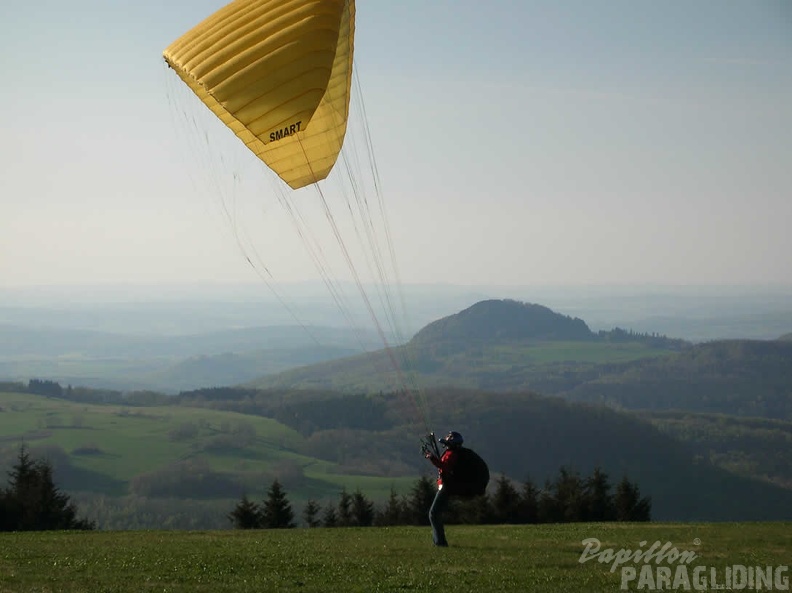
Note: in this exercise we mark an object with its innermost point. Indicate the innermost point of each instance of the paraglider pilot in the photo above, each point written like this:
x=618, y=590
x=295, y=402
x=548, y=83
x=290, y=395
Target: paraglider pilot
x=445, y=468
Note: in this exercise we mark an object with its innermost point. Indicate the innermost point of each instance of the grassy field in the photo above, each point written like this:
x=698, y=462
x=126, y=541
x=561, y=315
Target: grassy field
x=131, y=440
x=543, y=558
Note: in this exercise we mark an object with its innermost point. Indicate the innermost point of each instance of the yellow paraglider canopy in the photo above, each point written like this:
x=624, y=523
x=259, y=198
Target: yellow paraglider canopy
x=278, y=73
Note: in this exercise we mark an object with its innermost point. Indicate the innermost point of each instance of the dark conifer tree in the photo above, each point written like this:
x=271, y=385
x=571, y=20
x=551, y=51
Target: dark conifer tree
x=529, y=502
x=473, y=511
x=330, y=516
x=362, y=510
x=276, y=512
x=344, y=509
x=568, y=491
x=548, y=509
x=393, y=511
x=311, y=514
x=629, y=505
x=246, y=515
x=505, y=502
x=421, y=497
x=598, y=499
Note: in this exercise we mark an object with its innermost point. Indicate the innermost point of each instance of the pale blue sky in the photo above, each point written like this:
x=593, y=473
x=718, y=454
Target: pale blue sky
x=518, y=143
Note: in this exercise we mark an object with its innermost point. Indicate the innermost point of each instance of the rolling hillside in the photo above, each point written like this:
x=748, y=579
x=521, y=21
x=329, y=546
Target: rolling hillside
x=167, y=460
x=510, y=346
x=187, y=461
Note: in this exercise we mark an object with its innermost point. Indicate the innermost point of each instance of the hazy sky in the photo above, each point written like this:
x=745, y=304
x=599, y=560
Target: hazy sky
x=518, y=142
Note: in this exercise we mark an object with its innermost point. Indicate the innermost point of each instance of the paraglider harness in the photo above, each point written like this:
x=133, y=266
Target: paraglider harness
x=471, y=473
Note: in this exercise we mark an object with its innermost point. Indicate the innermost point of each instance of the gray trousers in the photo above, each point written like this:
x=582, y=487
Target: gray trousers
x=436, y=511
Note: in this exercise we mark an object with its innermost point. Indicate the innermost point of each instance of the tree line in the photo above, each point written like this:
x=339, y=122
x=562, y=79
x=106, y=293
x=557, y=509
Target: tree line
x=567, y=498
x=32, y=502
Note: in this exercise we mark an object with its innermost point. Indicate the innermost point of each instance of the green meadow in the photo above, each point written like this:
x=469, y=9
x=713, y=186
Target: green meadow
x=111, y=444
x=538, y=558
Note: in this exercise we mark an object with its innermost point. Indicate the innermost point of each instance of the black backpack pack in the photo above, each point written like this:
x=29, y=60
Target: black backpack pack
x=471, y=474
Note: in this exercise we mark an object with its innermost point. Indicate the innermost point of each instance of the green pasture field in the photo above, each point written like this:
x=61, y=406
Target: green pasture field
x=131, y=440
x=128, y=441
x=539, y=558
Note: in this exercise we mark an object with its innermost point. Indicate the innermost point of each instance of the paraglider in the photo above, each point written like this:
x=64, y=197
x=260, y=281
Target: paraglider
x=279, y=74
x=461, y=472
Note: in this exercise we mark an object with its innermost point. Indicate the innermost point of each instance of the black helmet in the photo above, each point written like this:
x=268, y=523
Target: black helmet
x=452, y=439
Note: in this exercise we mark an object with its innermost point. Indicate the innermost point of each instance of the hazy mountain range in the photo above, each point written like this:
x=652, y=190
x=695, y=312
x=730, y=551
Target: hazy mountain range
x=174, y=338
x=703, y=427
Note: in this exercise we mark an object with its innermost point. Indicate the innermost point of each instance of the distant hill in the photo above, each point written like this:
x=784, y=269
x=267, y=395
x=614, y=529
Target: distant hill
x=501, y=345
x=169, y=362
x=786, y=337
x=232, y=368
x=504, y=320
x=16, y=341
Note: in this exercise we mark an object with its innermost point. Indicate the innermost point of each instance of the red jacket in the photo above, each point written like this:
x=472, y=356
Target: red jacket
x=444, y=465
